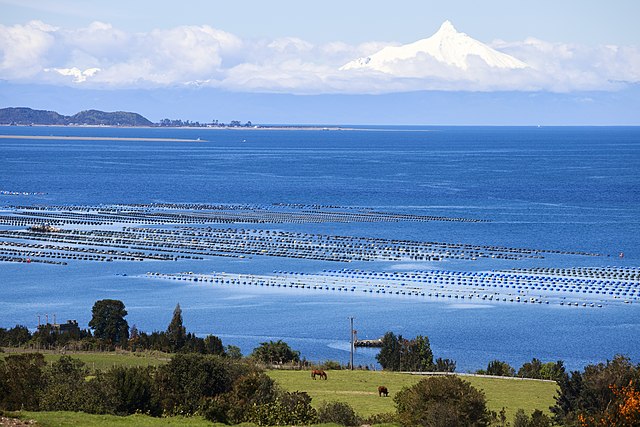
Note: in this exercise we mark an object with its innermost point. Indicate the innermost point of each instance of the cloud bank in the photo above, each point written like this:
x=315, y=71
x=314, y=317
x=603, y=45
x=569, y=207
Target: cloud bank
x=101, y=56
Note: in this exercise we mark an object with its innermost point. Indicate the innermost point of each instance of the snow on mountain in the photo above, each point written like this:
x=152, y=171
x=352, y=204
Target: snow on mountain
x=447, y=46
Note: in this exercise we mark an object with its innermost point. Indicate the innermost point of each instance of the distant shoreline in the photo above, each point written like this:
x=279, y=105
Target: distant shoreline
x=98, y=138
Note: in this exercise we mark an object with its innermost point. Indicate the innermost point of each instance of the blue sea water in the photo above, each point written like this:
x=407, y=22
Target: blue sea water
x=569, y=189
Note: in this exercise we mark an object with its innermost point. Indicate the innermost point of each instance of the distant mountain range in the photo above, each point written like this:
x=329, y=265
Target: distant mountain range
x=28, y=116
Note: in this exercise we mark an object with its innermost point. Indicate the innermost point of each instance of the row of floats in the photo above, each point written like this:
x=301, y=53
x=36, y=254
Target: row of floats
x=169, y=243
x=169, y=213
x=439, y=284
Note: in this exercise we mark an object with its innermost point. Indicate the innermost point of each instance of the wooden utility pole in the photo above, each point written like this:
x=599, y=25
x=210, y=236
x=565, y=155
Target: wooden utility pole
x=352, y=343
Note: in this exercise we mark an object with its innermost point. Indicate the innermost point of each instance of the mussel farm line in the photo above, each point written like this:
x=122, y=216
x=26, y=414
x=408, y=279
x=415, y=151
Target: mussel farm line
x=495, y=286
x=168, y=213
x=165, y=244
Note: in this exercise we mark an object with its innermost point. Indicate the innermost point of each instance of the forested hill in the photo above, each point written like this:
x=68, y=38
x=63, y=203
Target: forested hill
x=28, y=116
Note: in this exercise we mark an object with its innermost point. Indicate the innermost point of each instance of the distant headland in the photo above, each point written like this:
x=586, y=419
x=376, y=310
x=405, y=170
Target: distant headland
x=24, y=116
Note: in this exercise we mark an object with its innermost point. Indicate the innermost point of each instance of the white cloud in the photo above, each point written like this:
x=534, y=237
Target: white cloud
x=24, y=49
x=203, y=55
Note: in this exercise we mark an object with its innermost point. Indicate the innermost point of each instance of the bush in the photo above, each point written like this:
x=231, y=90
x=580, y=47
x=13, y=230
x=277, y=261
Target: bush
x=132, y=389
x=442, y=402
x=21, y=381
x=338, y=412
x=254, y=389
x=330, y=365
x=382, y=418
x=188, y=380
x=65, y=385
x=537, y=419
x=275, y=352
x=288, y=409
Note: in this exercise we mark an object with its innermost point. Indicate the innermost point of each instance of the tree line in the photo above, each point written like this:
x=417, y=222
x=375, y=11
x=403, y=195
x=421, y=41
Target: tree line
x=415, y=355
x=204, y=377
x=110, y=330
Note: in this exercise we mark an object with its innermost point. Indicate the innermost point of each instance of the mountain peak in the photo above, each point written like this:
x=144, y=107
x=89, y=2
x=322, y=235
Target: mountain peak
x=447, y=46
x=447, y=28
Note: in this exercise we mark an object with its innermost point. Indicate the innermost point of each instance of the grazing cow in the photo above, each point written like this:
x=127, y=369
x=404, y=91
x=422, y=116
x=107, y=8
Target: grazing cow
x=319, y=372
x=383, y=391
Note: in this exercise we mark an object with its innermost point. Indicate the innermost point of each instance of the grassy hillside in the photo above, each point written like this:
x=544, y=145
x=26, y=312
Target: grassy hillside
x=359, y=389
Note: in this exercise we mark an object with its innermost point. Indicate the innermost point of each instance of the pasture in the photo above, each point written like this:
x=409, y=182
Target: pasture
x=360, y=390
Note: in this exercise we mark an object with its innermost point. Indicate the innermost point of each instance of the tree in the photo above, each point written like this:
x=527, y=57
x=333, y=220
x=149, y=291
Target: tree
x=445, y=365
x=132, y=389
x=275, y=352
x=185, y=383
x=108, y=321
x=389, y=355
x=417, y=355
x=176, y=332
x=499, y=368
x=442, y=402
x=21, y=381
x=213, y=345
x=585, y=398
x=400, y=354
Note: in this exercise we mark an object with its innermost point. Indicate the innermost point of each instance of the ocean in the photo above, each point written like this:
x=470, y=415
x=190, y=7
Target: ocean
x=562, y=190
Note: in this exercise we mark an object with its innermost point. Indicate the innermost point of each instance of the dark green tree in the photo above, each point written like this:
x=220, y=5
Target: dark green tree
x=389, y=355
x=21, y=381
x=442, y=402
x=275, y=352
x=176, y=332
x=445, y=365
x=531, y=369
x=499, y=368
x=213, y=345
x=132, y=389
x=108, y=322
x=417, y=355
x=399, y=354
x=188, y=381
x=233, y=352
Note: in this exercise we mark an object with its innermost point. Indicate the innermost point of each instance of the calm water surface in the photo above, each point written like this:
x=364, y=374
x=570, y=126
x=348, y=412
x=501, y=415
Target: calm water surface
x=572, y=189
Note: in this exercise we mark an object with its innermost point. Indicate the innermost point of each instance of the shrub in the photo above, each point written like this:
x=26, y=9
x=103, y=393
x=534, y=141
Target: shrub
x=537, y=419
x=442, y=402
x=65, y=385
x=188, y=380
x=132, y=390
x=275, y=352
x=329, y=365
x=21, y=381
x=338, y=412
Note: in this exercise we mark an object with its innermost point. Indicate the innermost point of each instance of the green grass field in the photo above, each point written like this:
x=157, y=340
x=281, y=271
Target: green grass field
x=74, y=419
x=360, y=390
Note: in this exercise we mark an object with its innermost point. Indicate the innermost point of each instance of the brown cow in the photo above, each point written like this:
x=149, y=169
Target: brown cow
x=383, y=391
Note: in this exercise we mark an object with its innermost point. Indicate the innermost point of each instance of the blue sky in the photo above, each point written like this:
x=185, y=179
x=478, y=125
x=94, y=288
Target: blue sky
x=583, y=55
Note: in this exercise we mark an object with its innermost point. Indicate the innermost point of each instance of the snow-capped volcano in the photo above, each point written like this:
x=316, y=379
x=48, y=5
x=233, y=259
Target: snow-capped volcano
x=446, y=46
